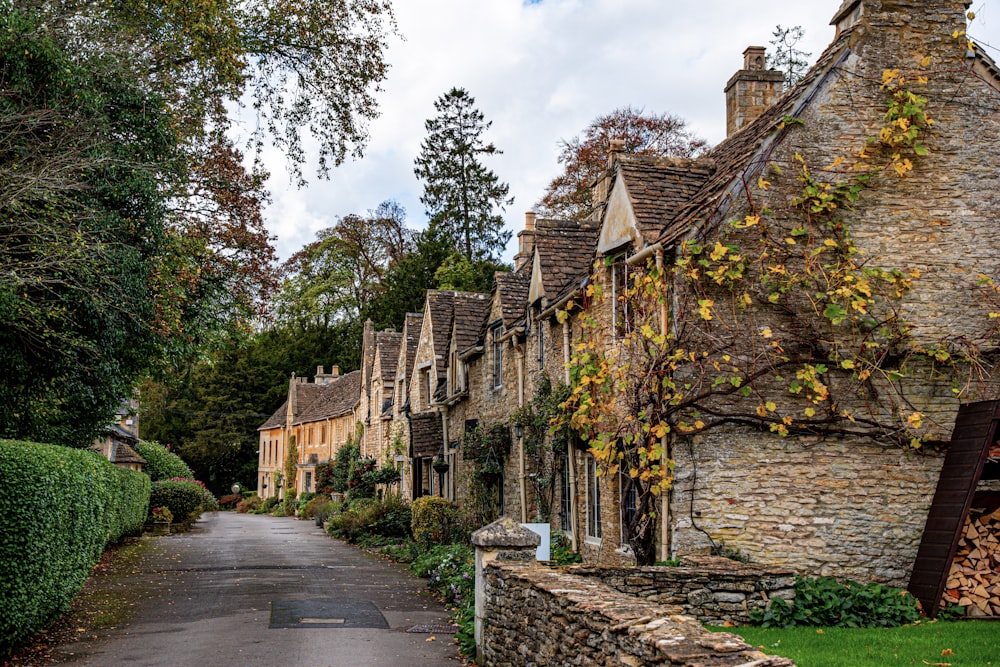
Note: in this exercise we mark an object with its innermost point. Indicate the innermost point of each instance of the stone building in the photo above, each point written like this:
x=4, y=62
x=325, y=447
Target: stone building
x=846, y=501
x=400, y=428
x=320, y=415
x=377, y=441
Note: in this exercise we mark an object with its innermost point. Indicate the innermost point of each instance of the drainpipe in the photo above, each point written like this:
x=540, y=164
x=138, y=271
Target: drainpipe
x=570, y=449
x=664, y=443
x=519, y=349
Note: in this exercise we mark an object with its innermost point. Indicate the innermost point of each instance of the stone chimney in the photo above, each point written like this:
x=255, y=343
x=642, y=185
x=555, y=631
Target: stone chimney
x=601, y=188
x=751, y=90
x=525, y=241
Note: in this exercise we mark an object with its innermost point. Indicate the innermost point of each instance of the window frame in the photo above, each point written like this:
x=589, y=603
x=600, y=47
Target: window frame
x=595, y=532
x=495, y=332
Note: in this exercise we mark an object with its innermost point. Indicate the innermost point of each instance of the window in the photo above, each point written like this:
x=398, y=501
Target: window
x=540, y=341
x=308, y=481
x=497, y=356
x=593, y=500
x=565, y=496
x=630, y=501
x=429, y=389
x=622, y=280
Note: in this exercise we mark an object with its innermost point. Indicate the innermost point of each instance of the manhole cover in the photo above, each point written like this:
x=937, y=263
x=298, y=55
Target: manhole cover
x=435, y=629
x=326, y=614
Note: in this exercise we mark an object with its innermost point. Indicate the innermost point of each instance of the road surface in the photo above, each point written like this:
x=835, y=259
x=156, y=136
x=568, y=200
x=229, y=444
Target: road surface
x=246, y=590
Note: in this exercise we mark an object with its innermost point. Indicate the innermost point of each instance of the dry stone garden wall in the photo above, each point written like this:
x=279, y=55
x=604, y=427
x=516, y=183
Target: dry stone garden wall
x=537, y=616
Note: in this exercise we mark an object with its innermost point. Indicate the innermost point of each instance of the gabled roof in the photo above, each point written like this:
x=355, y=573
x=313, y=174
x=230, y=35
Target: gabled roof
x=277, y=420
x=564, y=252
x=471, y=310
x=411, y=333
x=741, y=156
x=335, y=399
x=658, y=187
x=121, y=451
x=512, y=290
x=439, y=306
x=387, y=345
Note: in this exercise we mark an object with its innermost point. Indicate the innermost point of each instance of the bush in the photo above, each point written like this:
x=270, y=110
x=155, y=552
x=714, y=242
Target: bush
x=59, y=507
x=829, y=603
x=309, y=510
x=433, y=519
x=269, y=504
x=183, y=498
x=342, y=461
x=161, y=463
x=561, y=552
x=250, y=504
x=283, y=508
x=229, y=501
x=388, y=518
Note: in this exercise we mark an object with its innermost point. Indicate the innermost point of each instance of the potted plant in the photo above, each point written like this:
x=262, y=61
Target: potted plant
x=162, y=518
x=440, y=465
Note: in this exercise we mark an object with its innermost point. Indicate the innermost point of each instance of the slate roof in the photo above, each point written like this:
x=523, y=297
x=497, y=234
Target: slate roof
x=440, y=307
x=658, y=187
x=123, y=453
x=512, y=290
x=471, y=310
x=426, y=434
x=277, y=420
x=565, y=251
x=334, y=399
x=740, y=157
x=411, y=330
x=387, y=344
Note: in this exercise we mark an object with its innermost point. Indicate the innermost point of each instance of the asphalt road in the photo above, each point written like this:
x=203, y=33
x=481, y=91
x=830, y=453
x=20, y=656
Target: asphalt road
x=247, y=590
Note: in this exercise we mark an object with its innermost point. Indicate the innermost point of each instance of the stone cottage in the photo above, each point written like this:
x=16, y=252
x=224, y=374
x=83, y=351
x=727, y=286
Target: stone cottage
x=821, y=305
x=320, y=415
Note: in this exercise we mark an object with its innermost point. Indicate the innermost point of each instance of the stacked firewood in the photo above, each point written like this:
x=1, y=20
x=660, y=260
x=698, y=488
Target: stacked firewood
x=974, y=580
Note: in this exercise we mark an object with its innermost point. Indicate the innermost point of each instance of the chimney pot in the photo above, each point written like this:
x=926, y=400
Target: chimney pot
x=752, y=90
x=336, y=371
x=529, y=221
x=319, y=370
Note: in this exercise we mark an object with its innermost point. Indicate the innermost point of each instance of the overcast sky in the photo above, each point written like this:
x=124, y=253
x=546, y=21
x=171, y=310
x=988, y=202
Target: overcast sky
x=541, y=70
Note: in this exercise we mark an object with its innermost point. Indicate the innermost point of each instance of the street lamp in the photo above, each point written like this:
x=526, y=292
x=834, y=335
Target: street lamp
x=236, y=489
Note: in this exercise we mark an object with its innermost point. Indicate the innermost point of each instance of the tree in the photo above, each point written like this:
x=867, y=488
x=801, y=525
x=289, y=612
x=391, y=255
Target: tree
x=331, y=279
x=785, y=55
x=130, y=231
x=460, y=194
x=81, y=237
x=585, y=156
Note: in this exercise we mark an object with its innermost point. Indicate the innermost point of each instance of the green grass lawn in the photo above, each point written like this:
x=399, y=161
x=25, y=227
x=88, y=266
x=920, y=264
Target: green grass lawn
x=959, y=644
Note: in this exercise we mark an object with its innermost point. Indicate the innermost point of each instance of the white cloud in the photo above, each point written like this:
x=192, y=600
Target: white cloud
x=541, y=72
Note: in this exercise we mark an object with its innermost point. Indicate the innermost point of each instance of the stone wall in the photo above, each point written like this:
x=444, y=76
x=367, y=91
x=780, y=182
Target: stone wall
x=540, y=616
x=713, y=590
x=838, y=508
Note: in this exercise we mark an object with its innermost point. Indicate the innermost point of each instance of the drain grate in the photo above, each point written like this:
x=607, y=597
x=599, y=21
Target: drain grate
x=326, y=614
x=435, y=629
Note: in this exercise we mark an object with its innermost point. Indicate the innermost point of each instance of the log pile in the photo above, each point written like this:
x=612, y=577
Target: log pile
x=974, y=580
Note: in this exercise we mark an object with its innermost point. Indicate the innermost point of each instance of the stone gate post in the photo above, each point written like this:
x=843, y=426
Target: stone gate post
x=504, y=539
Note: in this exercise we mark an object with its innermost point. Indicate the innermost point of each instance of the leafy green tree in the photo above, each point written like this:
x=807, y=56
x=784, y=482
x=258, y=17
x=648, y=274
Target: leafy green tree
x=463, y=198
x=458, y=273
x=585, y=156
x=331, y=279
x=130, y=231
x=785, y=55
x=81, y=236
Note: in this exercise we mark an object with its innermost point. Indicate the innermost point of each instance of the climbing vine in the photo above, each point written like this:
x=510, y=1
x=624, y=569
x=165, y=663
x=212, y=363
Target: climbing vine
x=776, y=321
x=544, y=439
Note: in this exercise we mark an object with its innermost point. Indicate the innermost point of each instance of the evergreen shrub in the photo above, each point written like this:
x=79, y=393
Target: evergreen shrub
x=161, y=463
x=59, y=507
x=184, y=499
x=433, y=518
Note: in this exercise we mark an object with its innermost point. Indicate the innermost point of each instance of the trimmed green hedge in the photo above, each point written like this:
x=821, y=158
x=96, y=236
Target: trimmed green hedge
x=184, y=499
x=59, y=507
x=161, y=463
